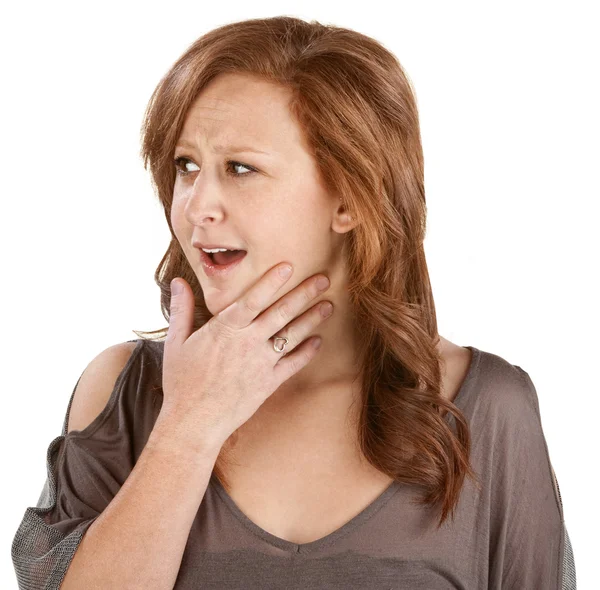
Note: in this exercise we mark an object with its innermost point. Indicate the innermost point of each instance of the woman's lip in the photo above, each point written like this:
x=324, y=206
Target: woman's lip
x=212, y=247
x=217, y=271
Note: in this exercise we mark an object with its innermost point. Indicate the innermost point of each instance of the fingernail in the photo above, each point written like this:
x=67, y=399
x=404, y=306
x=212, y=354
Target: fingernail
x=323, y=282
x=285, y=271
x=176, y=287
x=326, y=309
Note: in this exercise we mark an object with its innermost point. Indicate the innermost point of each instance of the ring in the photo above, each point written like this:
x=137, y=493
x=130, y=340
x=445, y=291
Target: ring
x=283, y=345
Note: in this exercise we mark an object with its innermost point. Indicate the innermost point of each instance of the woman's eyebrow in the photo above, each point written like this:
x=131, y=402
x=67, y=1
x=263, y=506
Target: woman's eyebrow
x=221, y=148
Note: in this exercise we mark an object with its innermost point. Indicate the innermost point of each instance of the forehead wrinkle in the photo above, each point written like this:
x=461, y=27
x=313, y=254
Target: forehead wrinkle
x=201, y=106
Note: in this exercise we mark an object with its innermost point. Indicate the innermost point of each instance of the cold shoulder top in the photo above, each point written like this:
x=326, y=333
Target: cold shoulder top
x=510, y=534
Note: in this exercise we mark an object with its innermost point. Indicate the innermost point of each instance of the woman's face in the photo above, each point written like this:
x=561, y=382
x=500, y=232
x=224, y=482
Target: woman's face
x=271, y=204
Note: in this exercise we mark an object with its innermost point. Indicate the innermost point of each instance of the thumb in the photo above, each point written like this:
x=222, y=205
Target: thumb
x=181, y=311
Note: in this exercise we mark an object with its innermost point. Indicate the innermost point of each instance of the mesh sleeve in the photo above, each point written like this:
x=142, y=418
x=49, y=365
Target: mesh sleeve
x=569, y=576
x=85, y=470
x=45, y=543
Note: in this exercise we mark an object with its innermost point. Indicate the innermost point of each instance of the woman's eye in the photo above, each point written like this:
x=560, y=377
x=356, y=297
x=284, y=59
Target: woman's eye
x=181, y=170
x=180, y=166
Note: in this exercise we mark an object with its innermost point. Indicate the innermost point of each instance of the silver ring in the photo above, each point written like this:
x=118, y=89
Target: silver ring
x=282, y=347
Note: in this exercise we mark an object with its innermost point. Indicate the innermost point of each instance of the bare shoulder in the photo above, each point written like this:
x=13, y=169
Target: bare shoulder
x=97, y=383
x=456, y=361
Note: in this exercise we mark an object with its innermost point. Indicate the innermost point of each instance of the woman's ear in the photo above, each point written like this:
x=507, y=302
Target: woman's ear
x=342, y=220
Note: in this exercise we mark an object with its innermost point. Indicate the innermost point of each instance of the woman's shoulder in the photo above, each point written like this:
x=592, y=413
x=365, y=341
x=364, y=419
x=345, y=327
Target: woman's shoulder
x=116, y=384
x=502, y=393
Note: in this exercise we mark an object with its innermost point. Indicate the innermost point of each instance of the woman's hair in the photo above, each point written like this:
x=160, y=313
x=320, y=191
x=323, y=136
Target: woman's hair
x=357, y=108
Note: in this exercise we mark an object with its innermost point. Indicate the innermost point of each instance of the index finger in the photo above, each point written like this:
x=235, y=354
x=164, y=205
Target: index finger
x=243, y=311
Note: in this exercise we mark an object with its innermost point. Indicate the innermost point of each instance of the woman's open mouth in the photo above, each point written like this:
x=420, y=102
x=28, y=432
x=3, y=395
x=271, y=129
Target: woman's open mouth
x=221, y=263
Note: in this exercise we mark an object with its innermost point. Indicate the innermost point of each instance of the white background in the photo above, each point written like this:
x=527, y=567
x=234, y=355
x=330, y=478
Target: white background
x=508, y=99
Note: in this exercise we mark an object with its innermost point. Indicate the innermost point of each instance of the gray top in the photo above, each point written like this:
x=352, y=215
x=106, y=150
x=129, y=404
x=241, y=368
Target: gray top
x=511, y=534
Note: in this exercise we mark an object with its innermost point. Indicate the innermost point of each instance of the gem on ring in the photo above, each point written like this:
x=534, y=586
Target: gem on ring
x=283, y=345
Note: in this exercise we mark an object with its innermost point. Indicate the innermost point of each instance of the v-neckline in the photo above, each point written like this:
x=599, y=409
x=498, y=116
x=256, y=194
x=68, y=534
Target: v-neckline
x=317, y=544
x=354, y=522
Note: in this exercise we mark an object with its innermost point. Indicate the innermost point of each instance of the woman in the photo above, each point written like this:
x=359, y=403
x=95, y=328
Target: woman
x=272, y=464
